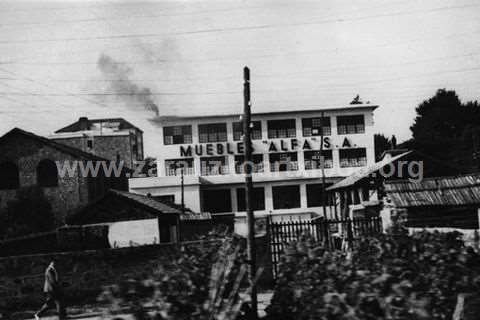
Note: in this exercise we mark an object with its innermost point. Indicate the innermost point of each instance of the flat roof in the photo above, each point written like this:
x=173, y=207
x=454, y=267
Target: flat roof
x=286, y=112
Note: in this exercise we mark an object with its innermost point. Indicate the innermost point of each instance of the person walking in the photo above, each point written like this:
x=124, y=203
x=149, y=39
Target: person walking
x=53, y=293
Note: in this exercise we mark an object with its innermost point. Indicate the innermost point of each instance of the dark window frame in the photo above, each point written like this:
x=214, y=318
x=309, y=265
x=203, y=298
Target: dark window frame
x=215, y=132
x=258, y=199
x=313, y=163
x=316, y=201
x=351, y=124
x=47, y=173
x=223, y=194
x=188, y=170
x=353, y=157
x=311, y=129
x=281, y=128
x=280, y=196
x=256, y=131
x=257, y=160
x=208, y=169
x=183, y=137
x=281, y=165
x=9, y=176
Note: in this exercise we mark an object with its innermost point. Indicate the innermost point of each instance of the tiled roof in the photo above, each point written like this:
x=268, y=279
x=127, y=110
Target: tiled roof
x=440, y=191
x=74, y=127
x=60, y=147
x=122, y=206
x=148, y=201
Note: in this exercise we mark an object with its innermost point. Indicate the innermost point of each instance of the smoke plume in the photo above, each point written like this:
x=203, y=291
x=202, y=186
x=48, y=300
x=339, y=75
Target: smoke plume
x=122, y=87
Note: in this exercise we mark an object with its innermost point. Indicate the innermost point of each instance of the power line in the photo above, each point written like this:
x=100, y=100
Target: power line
x=138, y=45
x=234, y=29
x=50, y=87
x=129, y=17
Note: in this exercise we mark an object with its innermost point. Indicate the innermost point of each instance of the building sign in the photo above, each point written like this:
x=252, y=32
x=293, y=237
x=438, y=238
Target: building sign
x=281, y=145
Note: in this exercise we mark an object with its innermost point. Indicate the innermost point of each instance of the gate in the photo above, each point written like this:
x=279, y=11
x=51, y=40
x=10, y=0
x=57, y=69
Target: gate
x=333, y=234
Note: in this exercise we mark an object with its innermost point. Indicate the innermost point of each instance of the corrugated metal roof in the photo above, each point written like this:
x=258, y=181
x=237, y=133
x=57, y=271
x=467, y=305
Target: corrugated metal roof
x=365, y=172
x=441, y=191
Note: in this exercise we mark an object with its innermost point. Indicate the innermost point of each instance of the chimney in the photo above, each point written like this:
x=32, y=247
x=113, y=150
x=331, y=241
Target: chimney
x=83, y=121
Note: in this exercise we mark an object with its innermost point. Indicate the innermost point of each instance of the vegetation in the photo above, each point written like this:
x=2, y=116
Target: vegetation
x=449, y=130
x=203, y=282
x=389, y=277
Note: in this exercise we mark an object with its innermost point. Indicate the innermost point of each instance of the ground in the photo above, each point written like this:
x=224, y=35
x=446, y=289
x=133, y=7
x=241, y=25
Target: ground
x=98, y=313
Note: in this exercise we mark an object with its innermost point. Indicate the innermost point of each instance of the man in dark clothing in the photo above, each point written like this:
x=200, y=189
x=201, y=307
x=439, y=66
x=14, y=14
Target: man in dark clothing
x=53, y=293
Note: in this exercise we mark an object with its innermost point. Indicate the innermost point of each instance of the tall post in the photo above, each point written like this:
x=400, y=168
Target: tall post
x=322, y=164
x=182, y=190
x=247, y=165
x=182, y=203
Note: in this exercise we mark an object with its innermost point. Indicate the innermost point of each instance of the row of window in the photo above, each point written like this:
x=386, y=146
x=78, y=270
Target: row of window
x=286, y=161
x=285, y=128
x=47, y=175
x=284, y=197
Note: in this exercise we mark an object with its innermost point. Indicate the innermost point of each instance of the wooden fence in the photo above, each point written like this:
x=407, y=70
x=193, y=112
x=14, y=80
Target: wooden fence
x=333, y=234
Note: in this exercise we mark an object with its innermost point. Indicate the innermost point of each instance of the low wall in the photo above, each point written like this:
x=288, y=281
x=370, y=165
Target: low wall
x=83, y=274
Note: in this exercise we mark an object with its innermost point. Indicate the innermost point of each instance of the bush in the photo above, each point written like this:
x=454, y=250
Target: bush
x=202, y=282
x=386, y=277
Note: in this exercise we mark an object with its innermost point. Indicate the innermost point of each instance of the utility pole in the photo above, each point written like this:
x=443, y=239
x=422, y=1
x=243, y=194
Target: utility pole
x=322, y=164
x=247, y=166
x=182, y=201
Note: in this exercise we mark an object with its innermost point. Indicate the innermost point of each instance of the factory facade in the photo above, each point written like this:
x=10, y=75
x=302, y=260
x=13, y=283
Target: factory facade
x=207, y=152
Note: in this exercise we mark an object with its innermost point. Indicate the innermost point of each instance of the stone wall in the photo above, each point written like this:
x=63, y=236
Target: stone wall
x=82, y=274
x=72, y=191
x=107, y=147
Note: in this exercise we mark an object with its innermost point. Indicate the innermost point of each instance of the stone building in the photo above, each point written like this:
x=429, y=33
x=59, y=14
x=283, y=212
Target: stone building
x=28, y=160
x=113, y=139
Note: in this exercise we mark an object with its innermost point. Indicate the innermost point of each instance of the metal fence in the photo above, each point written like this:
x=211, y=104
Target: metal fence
x=333, y=234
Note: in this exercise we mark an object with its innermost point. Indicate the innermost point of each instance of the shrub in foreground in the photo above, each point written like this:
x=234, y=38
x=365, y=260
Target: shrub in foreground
x=386, y=277
x=201, y=282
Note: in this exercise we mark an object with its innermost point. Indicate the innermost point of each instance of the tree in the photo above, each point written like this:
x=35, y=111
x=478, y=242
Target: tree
x=356, y=100
x=30, y=212
x=150, y=167
x=446, y=129
x=381, y=144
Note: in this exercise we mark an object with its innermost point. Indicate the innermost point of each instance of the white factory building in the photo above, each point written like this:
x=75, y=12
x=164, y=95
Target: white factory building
x=286, y=154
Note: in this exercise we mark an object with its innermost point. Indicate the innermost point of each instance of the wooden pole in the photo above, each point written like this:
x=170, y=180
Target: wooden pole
x=247, y=165
x=322, y=164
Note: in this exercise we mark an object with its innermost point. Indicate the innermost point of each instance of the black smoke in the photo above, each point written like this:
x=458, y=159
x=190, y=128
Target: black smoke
x=122, y=87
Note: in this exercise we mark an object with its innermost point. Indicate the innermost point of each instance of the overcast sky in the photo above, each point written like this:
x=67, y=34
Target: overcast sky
x=190, y=55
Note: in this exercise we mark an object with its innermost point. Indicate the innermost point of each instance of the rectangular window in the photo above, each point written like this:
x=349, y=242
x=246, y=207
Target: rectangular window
x=212, y=132
x=217, y=201
x=177, y=135
x=258, y=199
x=90, y=144
x=313, y=159
x=351, y=124
x=315, y=126
x=168, y=198
x=286, y=197
x=281, y=129
x=173, y=167
x=286, y=161
x=212, y=166
x=257, y=163
x=356, y=157
x=256, y=130
x=315, y=197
